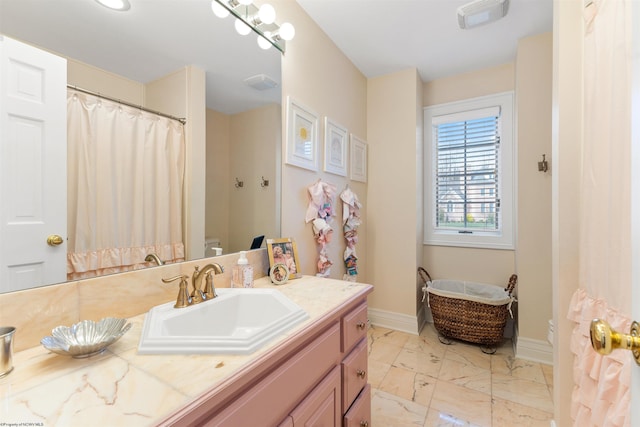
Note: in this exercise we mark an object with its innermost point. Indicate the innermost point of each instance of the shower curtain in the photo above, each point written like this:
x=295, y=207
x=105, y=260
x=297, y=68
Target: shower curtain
x=125, y=186
x=601, y=395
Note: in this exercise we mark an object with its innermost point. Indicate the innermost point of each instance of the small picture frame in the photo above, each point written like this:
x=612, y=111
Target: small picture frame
x=335, y=148
x=284, y=251
x=358, y=159
x=302, y=136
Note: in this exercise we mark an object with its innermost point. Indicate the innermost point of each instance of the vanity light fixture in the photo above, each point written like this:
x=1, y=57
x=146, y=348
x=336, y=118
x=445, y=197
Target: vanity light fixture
x=259, y=19
x=119, y=5
x=480, y=12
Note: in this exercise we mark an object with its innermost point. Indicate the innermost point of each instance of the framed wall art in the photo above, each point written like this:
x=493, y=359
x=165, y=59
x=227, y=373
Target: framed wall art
x=284, y=251
x=358, y=156
x=302, y=136
x=335, y=148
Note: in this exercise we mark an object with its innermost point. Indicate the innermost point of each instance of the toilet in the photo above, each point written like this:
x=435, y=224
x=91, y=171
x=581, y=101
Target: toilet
x=212, y=247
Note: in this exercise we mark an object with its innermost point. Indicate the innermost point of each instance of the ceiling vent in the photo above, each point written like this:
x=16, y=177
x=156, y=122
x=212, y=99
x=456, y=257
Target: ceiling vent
x=261, y=82
x=481, y=12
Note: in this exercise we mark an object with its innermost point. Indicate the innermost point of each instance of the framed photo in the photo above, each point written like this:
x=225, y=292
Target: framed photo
x=284, y=251
x=302, y=136
x=358, y=159
x=335, y=148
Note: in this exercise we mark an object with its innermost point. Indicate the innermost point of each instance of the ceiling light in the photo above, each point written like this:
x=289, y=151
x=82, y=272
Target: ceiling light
x=267, y=14
x=263, y=42
x=242, y=28
x=480, y=12
x=260, y=20
x=219, y=10
x=120, y=5
x=287, y=31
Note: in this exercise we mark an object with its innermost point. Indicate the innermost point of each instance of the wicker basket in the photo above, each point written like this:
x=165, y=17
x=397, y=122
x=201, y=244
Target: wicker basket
x=475, y=318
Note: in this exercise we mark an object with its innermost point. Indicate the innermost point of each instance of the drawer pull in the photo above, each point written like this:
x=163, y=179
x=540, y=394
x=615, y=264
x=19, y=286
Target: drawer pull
x=364, y=423
x=361, y=325
x=360, y=373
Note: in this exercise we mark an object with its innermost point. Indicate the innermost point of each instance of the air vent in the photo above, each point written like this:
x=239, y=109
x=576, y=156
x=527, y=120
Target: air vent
x=480, y=12
x=261, y=82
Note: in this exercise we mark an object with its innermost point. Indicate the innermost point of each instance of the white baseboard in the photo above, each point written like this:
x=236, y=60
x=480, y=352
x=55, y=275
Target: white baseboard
x=395, y=321
x=535, y=350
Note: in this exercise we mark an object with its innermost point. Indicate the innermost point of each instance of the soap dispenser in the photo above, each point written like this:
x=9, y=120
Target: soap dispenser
x=242, y=276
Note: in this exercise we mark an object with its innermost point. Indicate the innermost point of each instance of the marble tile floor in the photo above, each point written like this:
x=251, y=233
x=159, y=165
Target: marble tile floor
x=418, y=381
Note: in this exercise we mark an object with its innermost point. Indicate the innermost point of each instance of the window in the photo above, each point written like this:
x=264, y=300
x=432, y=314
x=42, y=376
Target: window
x=469, y=167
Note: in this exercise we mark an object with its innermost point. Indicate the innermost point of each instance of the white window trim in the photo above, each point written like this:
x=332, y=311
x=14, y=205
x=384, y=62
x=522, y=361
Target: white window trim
x=506, y=238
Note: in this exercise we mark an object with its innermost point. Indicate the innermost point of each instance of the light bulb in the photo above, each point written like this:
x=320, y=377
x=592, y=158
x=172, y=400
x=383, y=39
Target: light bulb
x=245, y=2
x=267, y=14
x=120, y=5
x=287, y=31
x=264, y=43
x=219, y=10
x=242, y=28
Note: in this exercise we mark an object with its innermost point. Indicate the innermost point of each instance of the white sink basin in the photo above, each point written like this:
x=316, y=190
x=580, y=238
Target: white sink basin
x=238, y=321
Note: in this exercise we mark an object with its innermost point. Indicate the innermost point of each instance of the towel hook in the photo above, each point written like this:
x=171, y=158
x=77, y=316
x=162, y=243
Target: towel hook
x=543, y=166
x=239, y=184
x=264, y=182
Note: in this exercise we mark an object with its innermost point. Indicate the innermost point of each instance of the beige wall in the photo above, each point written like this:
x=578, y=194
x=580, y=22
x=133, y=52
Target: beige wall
x=533, y=106
x=97, y=80
x=254, y=153
x=244, y=146
x=469, y=85
x=567, y=137
x=316, y=74
x=469, y=263
x=395, y=199
x=218, y=177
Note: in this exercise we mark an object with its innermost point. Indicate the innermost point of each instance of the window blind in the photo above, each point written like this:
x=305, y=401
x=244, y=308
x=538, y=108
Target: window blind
x=467, y=171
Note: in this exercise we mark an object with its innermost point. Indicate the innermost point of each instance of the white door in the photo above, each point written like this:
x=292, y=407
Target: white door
x=33, y=166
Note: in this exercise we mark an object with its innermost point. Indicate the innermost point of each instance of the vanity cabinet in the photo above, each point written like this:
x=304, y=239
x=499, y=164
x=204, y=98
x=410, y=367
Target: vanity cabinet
x=318, y=378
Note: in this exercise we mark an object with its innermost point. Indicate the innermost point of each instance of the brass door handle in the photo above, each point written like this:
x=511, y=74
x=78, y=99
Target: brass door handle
x=54, y=240
x=604, y=339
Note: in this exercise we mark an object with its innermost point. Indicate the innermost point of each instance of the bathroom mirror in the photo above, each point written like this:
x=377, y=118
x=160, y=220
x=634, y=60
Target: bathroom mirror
x=154, y=39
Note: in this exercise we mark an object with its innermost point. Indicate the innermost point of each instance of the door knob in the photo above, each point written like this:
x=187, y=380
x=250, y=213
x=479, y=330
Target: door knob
x=54, y=240
x=604, y=339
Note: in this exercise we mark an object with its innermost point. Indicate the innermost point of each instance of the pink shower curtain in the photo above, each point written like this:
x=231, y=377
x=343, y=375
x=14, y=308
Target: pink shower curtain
x=601, y=395
x=125, y=187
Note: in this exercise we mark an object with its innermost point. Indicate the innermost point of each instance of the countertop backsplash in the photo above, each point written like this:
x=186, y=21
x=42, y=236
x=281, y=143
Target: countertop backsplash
x=35, y=312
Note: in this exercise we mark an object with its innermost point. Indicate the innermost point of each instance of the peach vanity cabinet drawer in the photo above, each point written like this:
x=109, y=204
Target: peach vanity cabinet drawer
x=359, y=415
x=322, y=406
x=354, y=327
x=269, y=402
x=354, y=374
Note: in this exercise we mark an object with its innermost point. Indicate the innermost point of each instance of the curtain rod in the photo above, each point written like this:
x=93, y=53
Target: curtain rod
x=119, y=101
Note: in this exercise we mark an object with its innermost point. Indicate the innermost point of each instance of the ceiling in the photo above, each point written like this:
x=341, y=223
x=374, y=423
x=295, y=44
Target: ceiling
x=157, y=37
x=384, y=36
x=152, y=39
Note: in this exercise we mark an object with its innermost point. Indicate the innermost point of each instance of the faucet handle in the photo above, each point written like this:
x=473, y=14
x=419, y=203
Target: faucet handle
x=209, y=289
x=183, y=300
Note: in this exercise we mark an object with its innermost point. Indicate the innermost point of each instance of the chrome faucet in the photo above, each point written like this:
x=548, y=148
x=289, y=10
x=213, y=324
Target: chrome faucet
x=198, y=295
x=154, y=258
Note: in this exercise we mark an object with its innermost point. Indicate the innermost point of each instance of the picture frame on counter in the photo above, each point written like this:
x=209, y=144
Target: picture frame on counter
x=284, y=251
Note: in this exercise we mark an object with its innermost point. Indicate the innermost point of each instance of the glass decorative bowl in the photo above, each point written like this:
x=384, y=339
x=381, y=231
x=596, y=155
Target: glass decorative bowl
x=85, y=338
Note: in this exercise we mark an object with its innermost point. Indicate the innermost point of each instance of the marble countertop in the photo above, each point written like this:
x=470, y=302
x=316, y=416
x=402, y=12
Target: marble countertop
x=120, y=387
